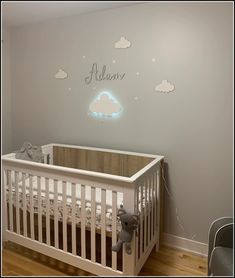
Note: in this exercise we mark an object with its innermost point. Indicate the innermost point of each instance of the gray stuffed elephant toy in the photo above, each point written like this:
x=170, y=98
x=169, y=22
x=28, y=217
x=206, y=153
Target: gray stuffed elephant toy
x=31, y=153
x=129, y=224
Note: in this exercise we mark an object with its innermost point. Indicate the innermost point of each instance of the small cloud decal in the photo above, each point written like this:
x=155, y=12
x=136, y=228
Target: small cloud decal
x=105, y=106
x=122, y=43
x=165, y=87
x=61, y=74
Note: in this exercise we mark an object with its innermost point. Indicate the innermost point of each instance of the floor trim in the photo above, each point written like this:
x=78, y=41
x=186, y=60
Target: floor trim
x=185, y=244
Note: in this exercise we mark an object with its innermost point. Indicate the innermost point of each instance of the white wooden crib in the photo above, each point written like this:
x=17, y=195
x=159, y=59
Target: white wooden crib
x=66, y=207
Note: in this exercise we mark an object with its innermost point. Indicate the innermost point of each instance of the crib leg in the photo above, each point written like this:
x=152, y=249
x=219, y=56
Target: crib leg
x=157, y=246
x=4, y=228
x=4, y=243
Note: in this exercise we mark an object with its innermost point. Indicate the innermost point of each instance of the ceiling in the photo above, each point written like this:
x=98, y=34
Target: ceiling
x=16, y=13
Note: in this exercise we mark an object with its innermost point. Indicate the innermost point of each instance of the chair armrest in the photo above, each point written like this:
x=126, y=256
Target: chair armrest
x=224, y=236
x=215, y=226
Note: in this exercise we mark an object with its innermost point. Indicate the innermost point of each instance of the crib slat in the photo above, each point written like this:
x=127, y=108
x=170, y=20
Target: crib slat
x=93, y=213
x=152, y=206
x=145, y=215
x=149, y=210
x=45, y=159
x=39, y=209
x=136, y=201
x=141, y=219
x=158, y=205
x=114, y=228
x=103, y=227
x=31, y=206
x=83, y=219
x=48, y=240
x=74, y=244
x=64, y=184
x=155, y=203
x=24, y=206
x=130, y=206
x=10, y=200
x=56, y=213
x=51, y=156
x=17, y=202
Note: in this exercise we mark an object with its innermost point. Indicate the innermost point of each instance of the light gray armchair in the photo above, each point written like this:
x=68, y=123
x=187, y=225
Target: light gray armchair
x=220, y=251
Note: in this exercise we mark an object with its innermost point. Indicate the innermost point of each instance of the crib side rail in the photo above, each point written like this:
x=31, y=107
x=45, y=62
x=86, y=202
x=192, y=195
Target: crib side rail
x=36, y=213
x=148, y=207
x=144, y=199
x=141, y=197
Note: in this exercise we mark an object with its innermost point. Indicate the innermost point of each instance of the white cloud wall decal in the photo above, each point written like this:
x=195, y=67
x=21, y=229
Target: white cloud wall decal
x=122, y=43
x=165, y=87
x=105, y=106
x=61, y=74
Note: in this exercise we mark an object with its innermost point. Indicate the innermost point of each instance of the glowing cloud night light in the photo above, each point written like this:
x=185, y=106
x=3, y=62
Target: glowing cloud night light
x=105, y=106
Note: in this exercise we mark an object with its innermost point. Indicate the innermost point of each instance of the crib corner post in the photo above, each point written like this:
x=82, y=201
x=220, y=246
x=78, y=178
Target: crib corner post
x=129, y=204
x=160, y=198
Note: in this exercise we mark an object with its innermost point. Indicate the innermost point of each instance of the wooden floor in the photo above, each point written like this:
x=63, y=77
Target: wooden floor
x=20, y=261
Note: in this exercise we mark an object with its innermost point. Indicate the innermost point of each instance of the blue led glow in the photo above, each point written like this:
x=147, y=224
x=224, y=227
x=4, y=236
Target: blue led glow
x=105, y=106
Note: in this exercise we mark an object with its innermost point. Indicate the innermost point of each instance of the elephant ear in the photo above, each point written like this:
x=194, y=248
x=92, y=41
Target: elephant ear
x=25, y=146
x=121, y=211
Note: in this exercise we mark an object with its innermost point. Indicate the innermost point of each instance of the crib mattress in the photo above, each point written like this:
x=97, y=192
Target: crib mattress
x=68, y=203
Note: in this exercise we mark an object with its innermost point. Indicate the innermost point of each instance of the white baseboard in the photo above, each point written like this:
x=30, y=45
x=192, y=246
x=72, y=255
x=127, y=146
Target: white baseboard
x=185, y=244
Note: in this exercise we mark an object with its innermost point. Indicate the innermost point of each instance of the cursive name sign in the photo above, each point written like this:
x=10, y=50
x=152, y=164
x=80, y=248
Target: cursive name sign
x=96, y=75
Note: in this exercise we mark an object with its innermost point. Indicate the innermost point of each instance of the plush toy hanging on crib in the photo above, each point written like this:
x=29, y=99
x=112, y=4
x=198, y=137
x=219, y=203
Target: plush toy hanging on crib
x=129, y=223
x=29, y=152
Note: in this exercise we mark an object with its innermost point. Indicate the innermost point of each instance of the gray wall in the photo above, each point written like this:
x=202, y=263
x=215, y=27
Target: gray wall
x=191, y=127
x=6, y=92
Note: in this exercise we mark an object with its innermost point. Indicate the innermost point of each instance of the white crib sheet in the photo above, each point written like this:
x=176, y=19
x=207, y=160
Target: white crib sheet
x=68, y=203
